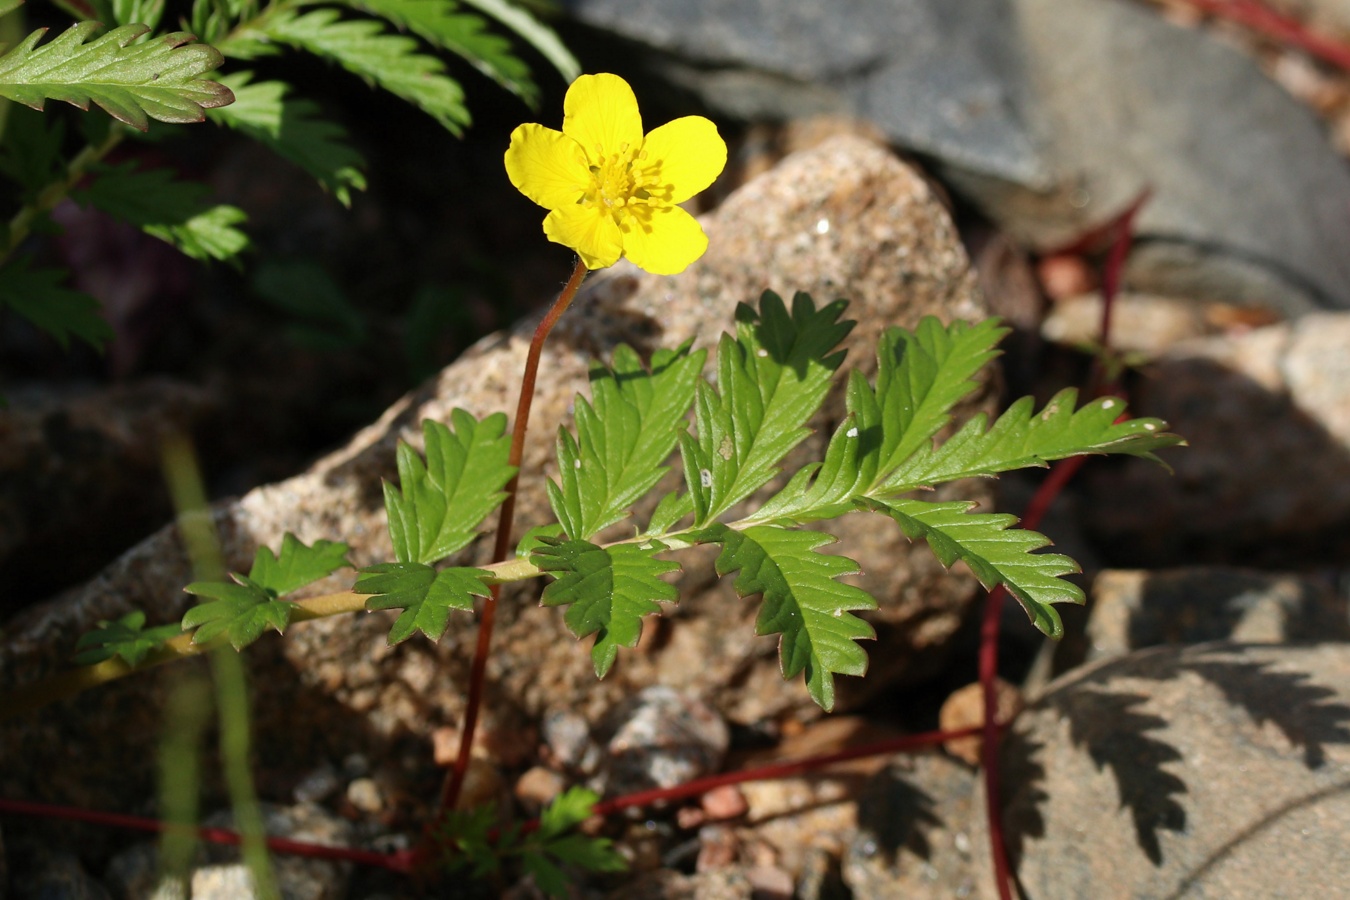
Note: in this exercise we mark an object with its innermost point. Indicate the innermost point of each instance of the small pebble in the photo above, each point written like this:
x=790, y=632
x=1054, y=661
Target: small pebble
x=718, y=847
x=538, y=786
x=770, y=883
x=725, y=802
x=964, y=708
x=318, y=785
x=366, y=796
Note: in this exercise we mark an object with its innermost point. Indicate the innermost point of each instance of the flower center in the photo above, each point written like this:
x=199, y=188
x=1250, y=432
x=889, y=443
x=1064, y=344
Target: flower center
x=618, y=181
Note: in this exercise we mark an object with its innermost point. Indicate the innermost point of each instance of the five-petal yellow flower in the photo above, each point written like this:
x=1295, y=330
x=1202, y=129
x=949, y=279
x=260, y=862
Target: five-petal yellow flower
x=611, y=191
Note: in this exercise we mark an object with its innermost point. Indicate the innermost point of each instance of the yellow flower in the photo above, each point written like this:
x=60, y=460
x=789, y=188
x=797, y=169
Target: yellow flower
x=612, y=192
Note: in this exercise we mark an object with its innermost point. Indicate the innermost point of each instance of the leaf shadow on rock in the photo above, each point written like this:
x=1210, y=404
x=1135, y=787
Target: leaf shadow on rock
x=898, y=814
x=1117, y=734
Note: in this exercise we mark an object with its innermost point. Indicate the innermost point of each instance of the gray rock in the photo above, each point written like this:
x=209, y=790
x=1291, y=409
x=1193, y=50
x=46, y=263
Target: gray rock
x=914, y=835
x=718, y=884
x=1266, y=477
x=1129, y=610
x=846, y=219
x=661, y=738
x=1199, y=772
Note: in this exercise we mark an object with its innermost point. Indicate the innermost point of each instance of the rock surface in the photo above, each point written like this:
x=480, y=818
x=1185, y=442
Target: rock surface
x=1266, y=477
x=846, y=219
x=1219, y=770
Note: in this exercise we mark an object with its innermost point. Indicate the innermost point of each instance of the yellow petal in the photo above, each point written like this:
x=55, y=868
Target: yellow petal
x=685, y=155
x=601, y=113
x=663, y=240
x=587, y=230
x=547, y=166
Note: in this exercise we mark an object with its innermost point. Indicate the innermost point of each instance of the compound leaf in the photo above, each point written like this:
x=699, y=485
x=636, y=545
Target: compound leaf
x=558, y=841
x=1022, y=437
x=176, y=212
x=292, y=128
x=996, y=553
x=535, y=33
x=298, y=565
x=133, y=82
x=609, y=590
x=439, y=504
x=126, y=637
x=240, y=611
x=364, y=48
x=802, y=600
x=771, y=380
x=624, y=434
x=438, y=23
x=425, y=595
x=37, y=295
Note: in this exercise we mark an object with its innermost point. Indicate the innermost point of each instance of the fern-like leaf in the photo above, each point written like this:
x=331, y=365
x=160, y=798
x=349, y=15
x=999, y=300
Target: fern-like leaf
x=363, y=47
x=803, y=601
x=241, y=611
x=176, y=212
x=535, y=33
x=609, y=590
x=439, y=504
x=38, y=296
x=624, y=434
x=771, y=379
x=158, y=79
x=297, y=565
x=1022, y=437
x=438, y=23
x=126, y=637
x=996, y=553
x=291, y=127
x=425, y=595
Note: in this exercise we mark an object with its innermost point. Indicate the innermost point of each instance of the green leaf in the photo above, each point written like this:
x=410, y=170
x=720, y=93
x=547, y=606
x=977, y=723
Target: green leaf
x=37, y=295
x=32, y=149
x=439, y=504
x=996, y=553
x=437, y=23
x=126, y=637
x=241, y=611
x=610, y=589
x=363, y=47
x=771, y=379
x=292, y=128
x=305, y=291
x=1022, y=437
x=138, y=12
x=536, y=33
x=8, y=6
x=158, y=79
x=298, y=565
x=176, y=212
x=425, y=595
x=802, y=600
x=558, y=840
x=624, y=434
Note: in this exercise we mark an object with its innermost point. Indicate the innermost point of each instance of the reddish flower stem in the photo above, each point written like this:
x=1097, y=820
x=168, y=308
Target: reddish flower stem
x=478, y=674
x=1283, y=29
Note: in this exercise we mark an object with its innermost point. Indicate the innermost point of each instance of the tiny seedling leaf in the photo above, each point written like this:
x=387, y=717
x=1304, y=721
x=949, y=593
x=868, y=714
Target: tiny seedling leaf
x=557, y=842
x=439, y=503
x=609, y=590
x=425, y=595
x=37, y=295
x=771, y=379
x=625, y=433
x=803, y=601
x=298, y=565
x=126, y=637
x=291, y=128
x=363, y=47
x=133, y=82
x=996, y=553
x=177, y=212
x=240, y=610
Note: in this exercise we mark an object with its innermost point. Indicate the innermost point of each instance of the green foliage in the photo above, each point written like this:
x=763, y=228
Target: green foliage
x=133, y=82
x=321, y=315
x=467, y=836
x=440, y=503
x=242, y=609
x=609, y=590
x=803, y=600
x=425, y=595
x=126, y=637
x=37, y=295
x=176, y=212
x=625, y=434
x=770, y=380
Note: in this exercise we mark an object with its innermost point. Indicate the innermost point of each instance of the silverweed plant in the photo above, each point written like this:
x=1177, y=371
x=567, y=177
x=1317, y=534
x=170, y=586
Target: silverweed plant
x=140, y=73
x=613, y=191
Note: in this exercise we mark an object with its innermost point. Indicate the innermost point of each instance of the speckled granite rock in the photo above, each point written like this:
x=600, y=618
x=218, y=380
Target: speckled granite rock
x=1203, y=772
x=845, y=219
x=1267, y=474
